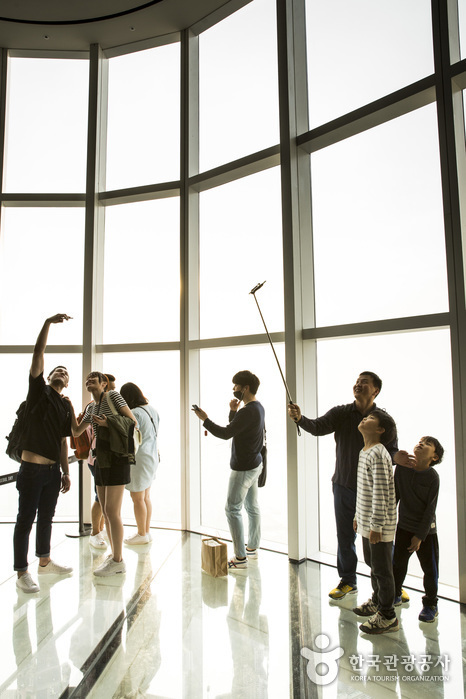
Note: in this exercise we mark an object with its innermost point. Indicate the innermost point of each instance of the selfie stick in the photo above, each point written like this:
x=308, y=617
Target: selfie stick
x=253, y=292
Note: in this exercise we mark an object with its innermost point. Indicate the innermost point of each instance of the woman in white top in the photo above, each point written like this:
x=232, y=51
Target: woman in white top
x=147, y=460
x=111, y=481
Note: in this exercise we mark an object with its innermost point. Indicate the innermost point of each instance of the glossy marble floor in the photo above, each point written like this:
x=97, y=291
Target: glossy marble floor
x=168, y=630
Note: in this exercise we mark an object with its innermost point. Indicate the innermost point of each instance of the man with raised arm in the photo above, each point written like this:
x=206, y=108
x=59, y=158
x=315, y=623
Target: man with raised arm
x=343, y=421
x=45, y=452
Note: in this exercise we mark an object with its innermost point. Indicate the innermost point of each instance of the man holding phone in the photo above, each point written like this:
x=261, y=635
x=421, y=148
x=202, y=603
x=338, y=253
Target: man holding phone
x=44, y=470
x=246, y=427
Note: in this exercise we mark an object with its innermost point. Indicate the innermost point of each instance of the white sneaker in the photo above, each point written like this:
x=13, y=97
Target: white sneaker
x=149, y=535
x=110, y=567
x=137, y=540
x=53, y=568
x=27, y=584
x=235, y=564
x=378, y=624
x=97, y=541
x=108, y=558
x=252, y=555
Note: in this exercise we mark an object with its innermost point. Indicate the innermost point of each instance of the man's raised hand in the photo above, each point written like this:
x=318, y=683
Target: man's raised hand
x=59, y=318
x=294, y=411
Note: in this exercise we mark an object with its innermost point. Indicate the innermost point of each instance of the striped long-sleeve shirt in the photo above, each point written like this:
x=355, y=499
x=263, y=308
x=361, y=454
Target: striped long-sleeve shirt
x=103, y=408
x=375, y=499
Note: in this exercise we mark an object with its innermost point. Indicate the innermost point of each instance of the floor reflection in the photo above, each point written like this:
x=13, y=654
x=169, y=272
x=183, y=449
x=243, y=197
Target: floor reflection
x=39, y=674
x=249, y=637
x=166, y=629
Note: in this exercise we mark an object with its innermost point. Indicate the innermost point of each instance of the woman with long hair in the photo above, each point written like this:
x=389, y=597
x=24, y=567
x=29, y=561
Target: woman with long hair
x=110, y=481
x=147, y=460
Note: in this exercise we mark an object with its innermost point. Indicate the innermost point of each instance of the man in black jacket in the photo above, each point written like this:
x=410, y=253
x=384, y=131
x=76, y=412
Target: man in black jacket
x=343, y=421
x=246, y=426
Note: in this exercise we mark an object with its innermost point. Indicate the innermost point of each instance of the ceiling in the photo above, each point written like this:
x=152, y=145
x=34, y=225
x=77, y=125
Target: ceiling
x=75, y=24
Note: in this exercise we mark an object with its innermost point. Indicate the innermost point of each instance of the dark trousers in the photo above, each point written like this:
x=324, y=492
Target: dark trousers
x=344, y=501
x=38, y=486
x=379, y=559
x=428, y=555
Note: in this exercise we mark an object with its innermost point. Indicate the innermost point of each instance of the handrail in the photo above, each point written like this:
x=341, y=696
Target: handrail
x=83, y=529
x=11, y=477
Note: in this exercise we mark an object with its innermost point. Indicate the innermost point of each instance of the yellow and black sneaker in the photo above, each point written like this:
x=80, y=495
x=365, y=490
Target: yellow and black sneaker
x=341, y=590
x=402, y=599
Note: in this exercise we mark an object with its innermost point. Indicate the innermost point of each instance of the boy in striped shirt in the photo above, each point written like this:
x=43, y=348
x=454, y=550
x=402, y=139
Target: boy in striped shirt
x=375, y=520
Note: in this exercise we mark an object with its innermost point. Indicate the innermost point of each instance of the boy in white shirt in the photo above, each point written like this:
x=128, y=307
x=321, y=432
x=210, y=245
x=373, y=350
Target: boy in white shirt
x=375, y=520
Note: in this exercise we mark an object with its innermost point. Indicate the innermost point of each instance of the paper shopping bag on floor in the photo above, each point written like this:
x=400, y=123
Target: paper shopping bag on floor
x=214, y=557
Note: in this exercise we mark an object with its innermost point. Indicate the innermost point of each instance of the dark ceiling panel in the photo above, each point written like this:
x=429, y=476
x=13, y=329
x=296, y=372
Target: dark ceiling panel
x=76, y=23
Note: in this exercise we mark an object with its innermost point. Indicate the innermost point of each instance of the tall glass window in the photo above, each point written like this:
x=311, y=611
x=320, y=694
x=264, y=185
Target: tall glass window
x=143, y=132
x=360, y=50
x=238, y=85
x=46, y=134
x=378, y=223
x=241, y=245
x=415, y=369
x=142, y=272
x=41, y=263
x=158, y=376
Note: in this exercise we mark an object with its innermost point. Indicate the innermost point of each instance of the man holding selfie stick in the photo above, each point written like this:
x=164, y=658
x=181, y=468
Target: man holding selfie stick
x=343, y=422
x=246, y=427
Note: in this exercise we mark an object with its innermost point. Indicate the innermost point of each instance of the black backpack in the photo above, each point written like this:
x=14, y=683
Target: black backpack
x=15, y=438
x=14, y=448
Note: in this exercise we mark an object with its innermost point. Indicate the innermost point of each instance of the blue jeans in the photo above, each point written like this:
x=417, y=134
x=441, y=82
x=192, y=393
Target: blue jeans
x=39, y=487
x=243, y=489
x=344, y=501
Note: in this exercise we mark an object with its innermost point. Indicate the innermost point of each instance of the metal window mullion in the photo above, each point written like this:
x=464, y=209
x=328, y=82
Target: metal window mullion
x=3, y=106
x=189, y=269
x=36, y=200
x=455, y=264
x=192, y=685
x=90, y=282
x=384, y=109
x=237, y=169
x=295, y=186
x=298, y=274
x=94, y=218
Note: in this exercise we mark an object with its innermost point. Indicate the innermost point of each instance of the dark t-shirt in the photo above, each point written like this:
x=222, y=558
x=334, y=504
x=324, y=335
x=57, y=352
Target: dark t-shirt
x=247, y=429
x=417, y=492
x=48, y=419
